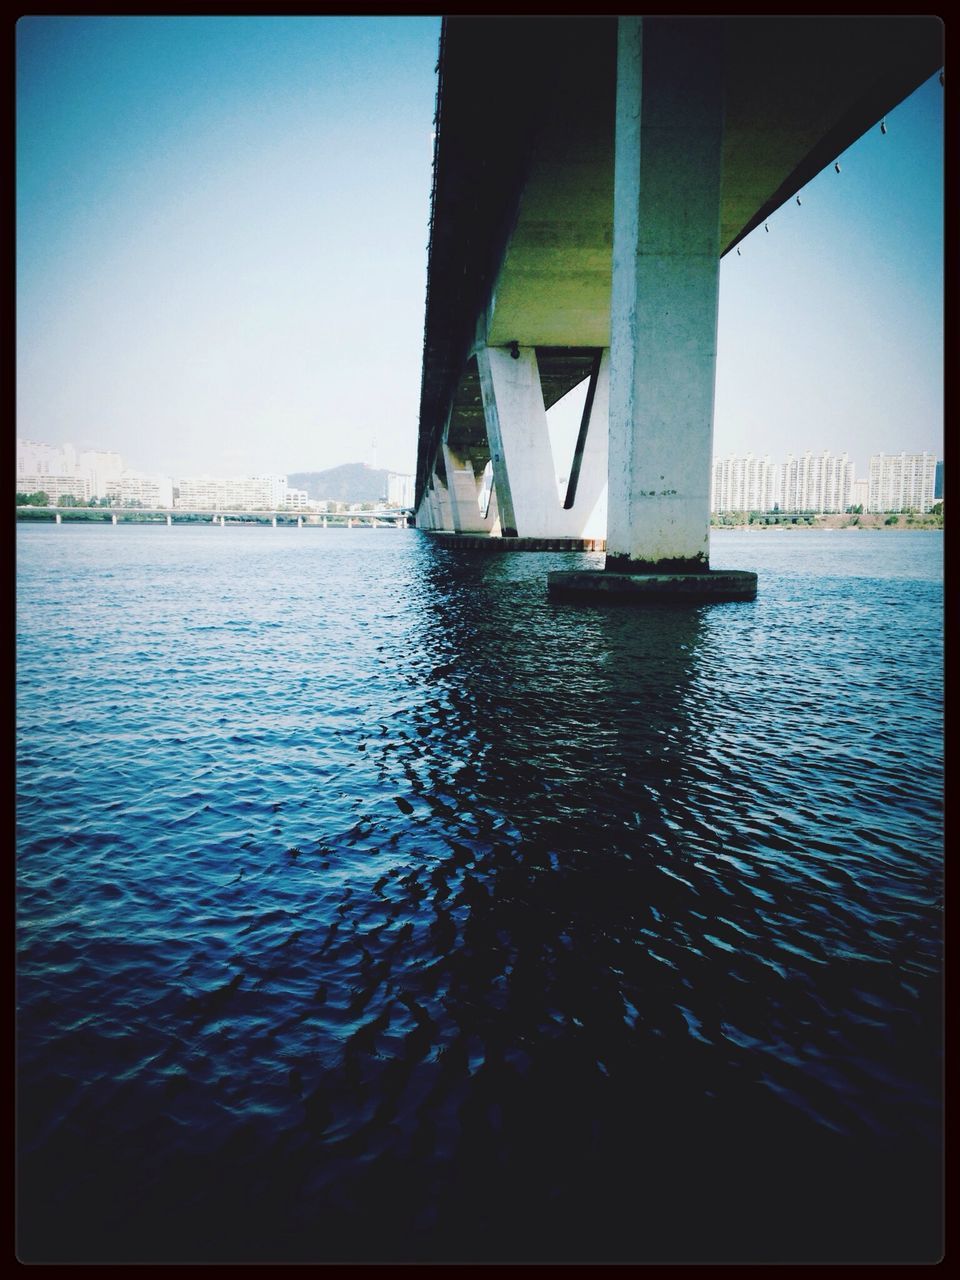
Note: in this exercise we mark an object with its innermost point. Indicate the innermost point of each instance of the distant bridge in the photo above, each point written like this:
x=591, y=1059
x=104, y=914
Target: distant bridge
x=589, y=174
x=381, y=517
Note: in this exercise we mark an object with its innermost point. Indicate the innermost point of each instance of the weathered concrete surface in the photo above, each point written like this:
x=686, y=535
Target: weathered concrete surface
x=601, y=585
x=480, y=542
x=464, y=492
x=666, y=271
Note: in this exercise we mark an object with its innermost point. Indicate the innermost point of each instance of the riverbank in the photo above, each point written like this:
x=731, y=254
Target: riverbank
x=880, y=520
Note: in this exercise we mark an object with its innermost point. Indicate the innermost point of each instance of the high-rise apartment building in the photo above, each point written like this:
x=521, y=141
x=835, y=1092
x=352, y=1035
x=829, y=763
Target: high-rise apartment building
x=860, y=493
x=400, y=490
x=817, y=482
x=62, y=469
x=902, y=481
x=813, y=482
x=131, y=489
x=246, y=493
x=55, y=486
x=102, y=466
x=745, y=484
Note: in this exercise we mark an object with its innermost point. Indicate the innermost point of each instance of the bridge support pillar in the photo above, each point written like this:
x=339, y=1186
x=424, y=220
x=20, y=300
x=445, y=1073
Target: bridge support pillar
x=443, y=513
x=464, y=494
x=519, y=440
x=435, y=508
x=423, y=518
x=525, y=481
x=663, y=324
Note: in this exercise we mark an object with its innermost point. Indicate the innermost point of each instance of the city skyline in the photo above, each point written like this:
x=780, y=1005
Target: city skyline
x=221, y=256
x=272, y=471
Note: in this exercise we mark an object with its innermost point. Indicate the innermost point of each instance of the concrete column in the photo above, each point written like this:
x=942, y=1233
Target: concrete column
x=433, y=509
x=169, y=521
x=324, y=522
x=59, y=518
x=464, y=493
x=519, y=441
x=525, y=483
x=299, y=522
x=493, y=513
x=443, y=511
x=663, y=323
x=113, y=518
x=274, y=521
x=423, y=516
x=587, y=517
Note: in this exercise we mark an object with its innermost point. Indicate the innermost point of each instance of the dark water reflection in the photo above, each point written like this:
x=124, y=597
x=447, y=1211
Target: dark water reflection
x=372, y=907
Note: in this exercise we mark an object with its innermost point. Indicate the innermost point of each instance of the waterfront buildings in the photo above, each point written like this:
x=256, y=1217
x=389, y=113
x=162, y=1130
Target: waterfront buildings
x=817, y=482
x=822, y=482
x=746, y=484
x=400, y=490
x=825, y=482
x=62, y=471
x=132, y=489
x=242, y=493
x=55, y=485
x=902, y=481
x=813, y=482
x=860, y=495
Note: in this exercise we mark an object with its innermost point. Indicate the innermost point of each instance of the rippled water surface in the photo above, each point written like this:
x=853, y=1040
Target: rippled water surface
x=371, y=906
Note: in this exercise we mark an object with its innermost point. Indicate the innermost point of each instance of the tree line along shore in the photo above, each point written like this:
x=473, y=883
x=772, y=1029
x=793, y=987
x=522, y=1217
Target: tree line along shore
x=846, y=520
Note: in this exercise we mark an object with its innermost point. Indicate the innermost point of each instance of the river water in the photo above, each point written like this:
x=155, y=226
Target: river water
x=373, y=907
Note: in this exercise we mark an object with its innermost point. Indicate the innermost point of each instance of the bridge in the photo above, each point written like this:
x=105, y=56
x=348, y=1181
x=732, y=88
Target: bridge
x=389, y=517
x=589, y=175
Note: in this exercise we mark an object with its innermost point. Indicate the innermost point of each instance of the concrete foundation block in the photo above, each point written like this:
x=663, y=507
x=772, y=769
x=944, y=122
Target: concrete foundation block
x=601, y=586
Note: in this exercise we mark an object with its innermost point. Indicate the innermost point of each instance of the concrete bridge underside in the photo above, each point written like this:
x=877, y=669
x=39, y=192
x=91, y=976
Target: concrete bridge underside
x=589, y=174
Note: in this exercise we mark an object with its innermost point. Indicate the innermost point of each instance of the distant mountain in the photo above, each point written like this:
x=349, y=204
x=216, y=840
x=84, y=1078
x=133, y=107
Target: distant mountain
x=353, y=482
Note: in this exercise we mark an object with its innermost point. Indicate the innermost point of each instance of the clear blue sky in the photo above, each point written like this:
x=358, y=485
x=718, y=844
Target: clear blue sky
x=221, y=255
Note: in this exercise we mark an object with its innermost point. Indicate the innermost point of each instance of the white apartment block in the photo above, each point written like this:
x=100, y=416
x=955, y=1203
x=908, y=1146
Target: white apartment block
x=36, y=459
x=246, y=493
x=817, y=482
x=745, y=484
x=131, y=489
x=102, y=466
x=902, y=481
x=96, y=467
x=55, y=486
x=814, y=482
x=860, y=494
x=400, y=490
x=297, y=500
